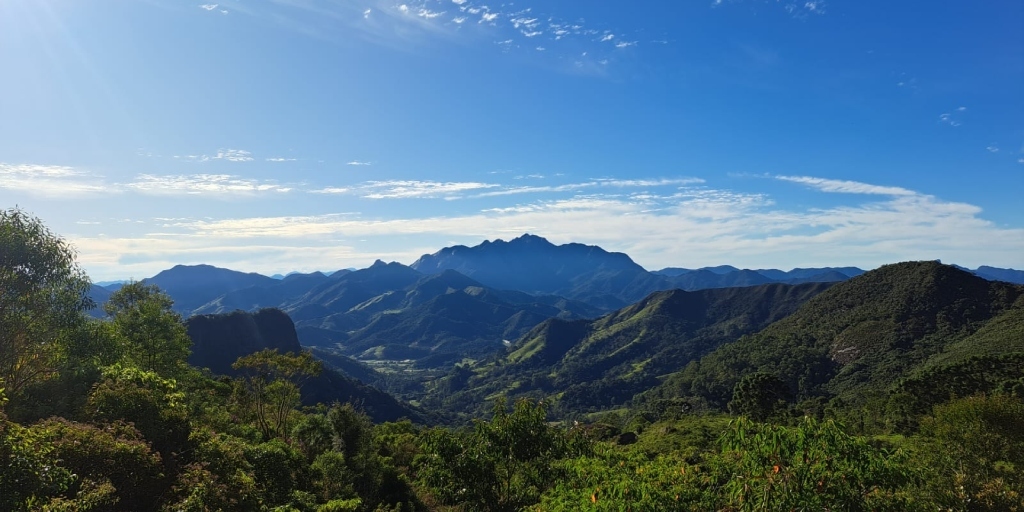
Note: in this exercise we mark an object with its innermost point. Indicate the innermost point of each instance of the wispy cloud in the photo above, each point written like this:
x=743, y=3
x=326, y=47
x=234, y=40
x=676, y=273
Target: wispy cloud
x=233, y=155
x=799, y=9
x=357, y=162
x=846, y=187
x=331, y=190
x=202, y=184
x=229, y=155
x=400, y=189
x=409, y=23
x=592, y=184
x=280, y=159
x=949, y=119
x=51, y=180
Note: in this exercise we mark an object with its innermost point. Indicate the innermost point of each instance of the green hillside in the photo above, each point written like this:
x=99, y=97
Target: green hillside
x=851, y=343
x=593, y=365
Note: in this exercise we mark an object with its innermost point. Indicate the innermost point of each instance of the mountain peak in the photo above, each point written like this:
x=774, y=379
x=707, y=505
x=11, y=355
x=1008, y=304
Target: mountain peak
x=527, y=238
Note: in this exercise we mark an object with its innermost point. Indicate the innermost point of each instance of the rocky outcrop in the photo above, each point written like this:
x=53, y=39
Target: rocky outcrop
x=218, y=340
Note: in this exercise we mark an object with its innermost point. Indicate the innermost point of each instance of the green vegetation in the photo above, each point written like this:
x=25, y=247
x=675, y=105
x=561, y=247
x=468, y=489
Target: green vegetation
x=866, y=397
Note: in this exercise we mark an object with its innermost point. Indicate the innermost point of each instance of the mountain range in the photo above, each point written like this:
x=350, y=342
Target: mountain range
x=901, y=337
x=595, y=330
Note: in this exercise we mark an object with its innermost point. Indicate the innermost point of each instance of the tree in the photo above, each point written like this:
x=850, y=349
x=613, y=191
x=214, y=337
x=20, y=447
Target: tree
x=43, y=295
x=974, y=449
x=153, y=336
x=759, y=396
x=503, y=464
x=270, y=389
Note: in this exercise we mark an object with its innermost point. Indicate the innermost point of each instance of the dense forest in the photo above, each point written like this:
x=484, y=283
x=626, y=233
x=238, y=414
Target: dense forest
x=902, y=389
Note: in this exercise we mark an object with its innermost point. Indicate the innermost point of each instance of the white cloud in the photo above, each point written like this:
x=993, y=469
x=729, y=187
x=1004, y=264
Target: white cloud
x=280, y=159
x=400, y=189
x=192, y=158
x=208, y=7
x=488, y=17
x=593, y=184
x=607, y=37
x=366, y=13
x=992, y=148
x=51, y=180
x=202, y=184
x=846, y=187
x=948, y=119
x=331, y=190
x=359, y=163
x=428, y=14
x=233, y=155
x=458, y=2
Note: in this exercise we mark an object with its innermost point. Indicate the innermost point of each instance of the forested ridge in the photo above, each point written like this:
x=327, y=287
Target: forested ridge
x=897, y=390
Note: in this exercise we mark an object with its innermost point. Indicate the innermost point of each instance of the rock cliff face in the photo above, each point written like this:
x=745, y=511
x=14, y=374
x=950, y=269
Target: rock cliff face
x=218, y=340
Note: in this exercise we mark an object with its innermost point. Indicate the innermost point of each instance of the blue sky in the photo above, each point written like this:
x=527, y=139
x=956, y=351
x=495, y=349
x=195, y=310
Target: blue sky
x=280, y=135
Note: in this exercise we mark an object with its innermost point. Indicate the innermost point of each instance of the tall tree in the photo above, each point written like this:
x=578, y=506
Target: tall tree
x=43, y=297
x=270, y=389
x=153, y=336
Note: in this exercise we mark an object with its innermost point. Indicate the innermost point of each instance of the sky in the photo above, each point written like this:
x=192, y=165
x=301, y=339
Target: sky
x=297, y=135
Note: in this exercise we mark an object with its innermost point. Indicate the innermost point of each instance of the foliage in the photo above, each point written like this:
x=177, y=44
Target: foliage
x=152, y=334
x=29, y=469
x=502, y=464
x=974, y=450
x=154, y=404
x=757, y=466
x=814, y=466
x=270, y=392
x=42, y=300
x=759, y=396
x=115, y=454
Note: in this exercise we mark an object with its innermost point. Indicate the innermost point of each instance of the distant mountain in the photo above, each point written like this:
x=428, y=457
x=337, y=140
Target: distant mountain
x=437, y=320
x=672, y=271
x=705, y=278
x=721, y=269
x=109, y=284
x=192, y=286
x=860, y=337
x=344, y=290
x=99, y=296
x=804, y=274
x=590, y=274
x=595, y=364
x=273, y=294
x=218, y=340
x=533, y=265
x=1000, y=274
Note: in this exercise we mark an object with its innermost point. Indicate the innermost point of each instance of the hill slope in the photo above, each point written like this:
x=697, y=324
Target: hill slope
x=437, y=320
x=856, y=340
x=596, y=364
